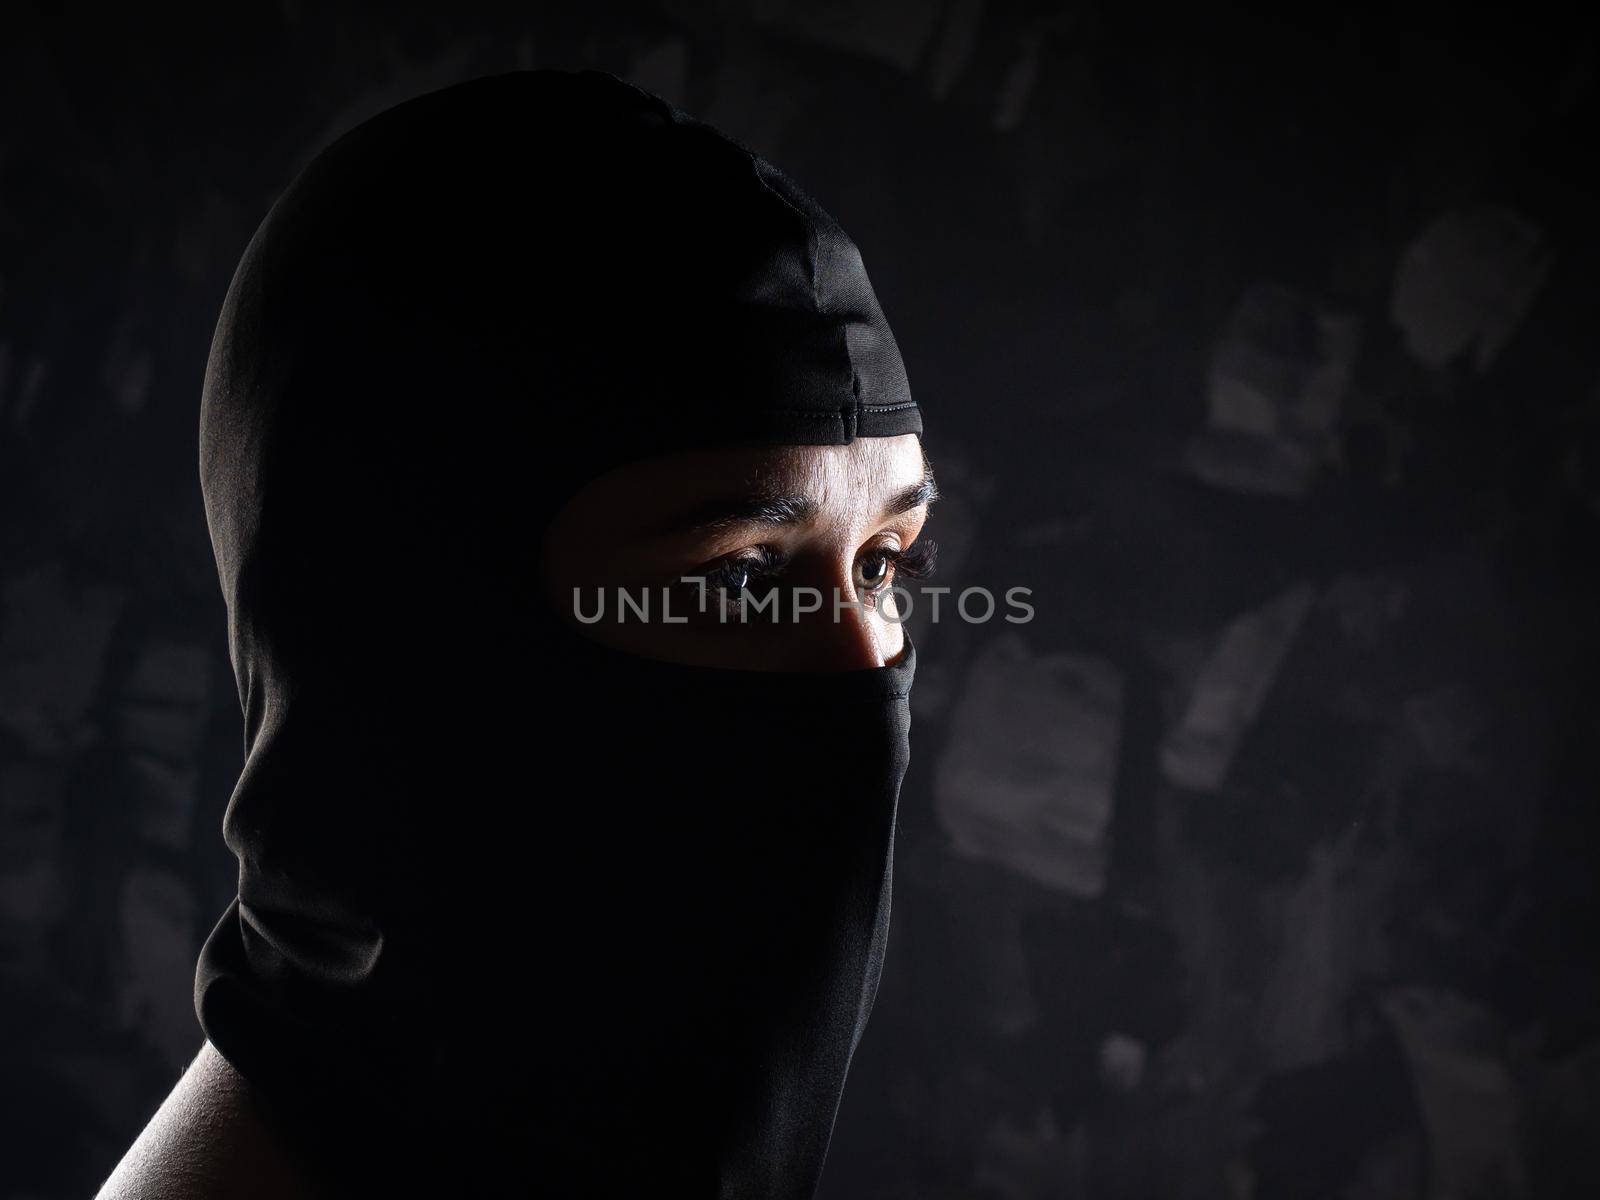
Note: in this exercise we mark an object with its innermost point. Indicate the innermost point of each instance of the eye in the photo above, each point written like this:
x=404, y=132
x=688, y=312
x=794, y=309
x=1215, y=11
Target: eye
x=876, y=569
x=873, y=570
x=753, y=571
x=732, y=576
x=719, y=589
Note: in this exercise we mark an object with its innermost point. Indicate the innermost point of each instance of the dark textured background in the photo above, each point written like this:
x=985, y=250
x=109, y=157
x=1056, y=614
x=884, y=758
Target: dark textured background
x=1263, y=349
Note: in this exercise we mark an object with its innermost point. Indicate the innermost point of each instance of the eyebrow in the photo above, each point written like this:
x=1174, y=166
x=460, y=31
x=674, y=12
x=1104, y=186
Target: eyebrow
x=924, y=491
x=779, y=509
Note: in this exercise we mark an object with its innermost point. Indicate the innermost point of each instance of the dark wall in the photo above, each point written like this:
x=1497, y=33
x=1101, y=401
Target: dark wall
x=1262, y=349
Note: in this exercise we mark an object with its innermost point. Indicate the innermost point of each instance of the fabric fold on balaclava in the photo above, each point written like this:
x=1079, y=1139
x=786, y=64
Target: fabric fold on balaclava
x=518, y=911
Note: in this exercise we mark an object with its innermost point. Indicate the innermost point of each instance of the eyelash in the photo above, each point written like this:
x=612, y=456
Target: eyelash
x=917, y=560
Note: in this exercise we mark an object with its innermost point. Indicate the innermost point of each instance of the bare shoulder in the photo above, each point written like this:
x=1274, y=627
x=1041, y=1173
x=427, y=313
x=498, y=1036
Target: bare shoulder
x=210, y=1138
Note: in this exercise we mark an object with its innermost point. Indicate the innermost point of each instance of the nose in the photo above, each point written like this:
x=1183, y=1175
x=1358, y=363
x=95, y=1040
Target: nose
x=854, y=639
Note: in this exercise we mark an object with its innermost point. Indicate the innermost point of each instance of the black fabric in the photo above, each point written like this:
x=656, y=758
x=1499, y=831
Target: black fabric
x=519, y=913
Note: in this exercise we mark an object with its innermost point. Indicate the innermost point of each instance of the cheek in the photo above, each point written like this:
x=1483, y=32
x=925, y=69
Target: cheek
x=891, y=637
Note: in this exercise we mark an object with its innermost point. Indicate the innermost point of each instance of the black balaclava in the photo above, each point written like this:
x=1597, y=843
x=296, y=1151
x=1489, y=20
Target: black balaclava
x=517, y=912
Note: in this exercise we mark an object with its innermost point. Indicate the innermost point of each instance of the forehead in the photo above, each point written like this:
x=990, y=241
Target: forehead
x=840, y=479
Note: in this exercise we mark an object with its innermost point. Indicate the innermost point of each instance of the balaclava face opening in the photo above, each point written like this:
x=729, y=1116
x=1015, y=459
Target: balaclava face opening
x=514, y=907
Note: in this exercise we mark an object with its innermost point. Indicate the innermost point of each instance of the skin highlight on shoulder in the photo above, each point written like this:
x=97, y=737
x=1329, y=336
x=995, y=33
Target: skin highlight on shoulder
x=212, y=1138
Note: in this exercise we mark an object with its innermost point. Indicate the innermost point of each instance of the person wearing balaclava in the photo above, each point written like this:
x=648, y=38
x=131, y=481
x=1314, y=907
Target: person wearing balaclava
x=527, y=906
